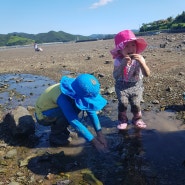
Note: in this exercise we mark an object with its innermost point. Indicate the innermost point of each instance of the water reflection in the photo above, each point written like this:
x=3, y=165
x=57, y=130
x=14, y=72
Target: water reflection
x=22, y=89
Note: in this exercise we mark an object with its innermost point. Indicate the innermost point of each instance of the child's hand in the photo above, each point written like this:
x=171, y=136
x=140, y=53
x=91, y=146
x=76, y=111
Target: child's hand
x=138, y=57
x=101, y=139
x=145, y=69
x=127, y=60
x=99, y=146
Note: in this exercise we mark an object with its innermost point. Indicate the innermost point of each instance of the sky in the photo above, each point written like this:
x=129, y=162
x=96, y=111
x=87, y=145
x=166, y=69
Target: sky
x=83, y=17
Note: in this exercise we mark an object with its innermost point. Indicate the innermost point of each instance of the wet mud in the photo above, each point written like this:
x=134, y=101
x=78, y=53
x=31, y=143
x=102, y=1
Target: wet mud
x=154, y=155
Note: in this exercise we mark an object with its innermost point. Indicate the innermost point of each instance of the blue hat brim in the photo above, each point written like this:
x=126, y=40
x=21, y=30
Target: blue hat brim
x=83, y=103
x=65, y=86
x=91, y=104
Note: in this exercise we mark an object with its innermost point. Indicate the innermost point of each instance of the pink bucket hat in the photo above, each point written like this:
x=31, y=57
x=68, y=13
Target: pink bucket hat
x=122, y=38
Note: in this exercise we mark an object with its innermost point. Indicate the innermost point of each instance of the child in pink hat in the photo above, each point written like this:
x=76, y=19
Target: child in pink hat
x=129, y=69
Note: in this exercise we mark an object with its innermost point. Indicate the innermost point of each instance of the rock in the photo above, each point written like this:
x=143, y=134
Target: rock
x=108, y=62
x=64, y=182
x=155, y=101
x=90, y=178
x=162, y=45
x=169, y=89
x=13, y=183
x=11, y=154
x=50, y=176
x=20, y=122
x=25, y=161
x=101, y=75
x=183, y=49
x=181, y=73
x=111, y=90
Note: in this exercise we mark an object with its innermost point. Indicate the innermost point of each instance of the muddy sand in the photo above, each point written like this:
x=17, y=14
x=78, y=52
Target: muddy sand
x=155, y=155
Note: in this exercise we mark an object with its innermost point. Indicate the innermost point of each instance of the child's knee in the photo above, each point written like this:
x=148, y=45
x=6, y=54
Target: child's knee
x=135, y=108
x=45, y=123
x=122, y=107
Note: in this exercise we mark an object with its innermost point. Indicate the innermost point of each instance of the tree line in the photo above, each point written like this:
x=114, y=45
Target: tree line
x=177, y=23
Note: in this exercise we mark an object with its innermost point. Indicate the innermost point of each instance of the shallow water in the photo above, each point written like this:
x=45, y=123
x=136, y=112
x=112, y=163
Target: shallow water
x=22, y=89
x=161, y=143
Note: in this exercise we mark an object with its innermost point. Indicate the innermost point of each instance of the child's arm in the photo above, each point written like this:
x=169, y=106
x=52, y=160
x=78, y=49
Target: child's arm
x=72, y=117
x=97, y=126
x=145, y=69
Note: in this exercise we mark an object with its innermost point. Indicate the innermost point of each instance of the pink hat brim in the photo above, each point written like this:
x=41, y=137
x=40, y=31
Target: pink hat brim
x=141, y=46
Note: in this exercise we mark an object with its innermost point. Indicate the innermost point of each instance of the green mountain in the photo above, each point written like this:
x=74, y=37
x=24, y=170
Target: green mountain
x=16, y=38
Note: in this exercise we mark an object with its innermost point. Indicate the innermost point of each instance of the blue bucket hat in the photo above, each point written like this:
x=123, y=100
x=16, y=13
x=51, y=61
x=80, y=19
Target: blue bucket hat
x=84, y=90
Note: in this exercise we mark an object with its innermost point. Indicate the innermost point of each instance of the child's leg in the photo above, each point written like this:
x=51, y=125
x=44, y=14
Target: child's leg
x=137, y=117
x=122, y=118
x=136, y=110
x=137, y=120
x=122, y=115
x=59, y=135
x=60, y=126
x=122, y=108
x=47, y=121
x=50, y=116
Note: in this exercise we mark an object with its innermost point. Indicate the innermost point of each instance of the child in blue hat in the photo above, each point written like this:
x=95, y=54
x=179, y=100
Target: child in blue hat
x=60, y=104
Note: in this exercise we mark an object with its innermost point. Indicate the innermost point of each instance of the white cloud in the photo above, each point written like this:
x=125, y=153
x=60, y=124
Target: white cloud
x=100, y=3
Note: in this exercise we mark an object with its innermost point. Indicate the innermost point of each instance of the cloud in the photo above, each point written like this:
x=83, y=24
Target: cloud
x=100, y=3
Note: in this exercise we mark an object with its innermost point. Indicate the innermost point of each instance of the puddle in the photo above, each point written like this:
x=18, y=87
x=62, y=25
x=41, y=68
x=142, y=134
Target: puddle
x=162, y=142
x=22, y=89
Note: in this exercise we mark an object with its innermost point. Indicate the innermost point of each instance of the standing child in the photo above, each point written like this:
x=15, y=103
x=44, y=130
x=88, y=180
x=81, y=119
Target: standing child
x=60, y=104
x=129, y=69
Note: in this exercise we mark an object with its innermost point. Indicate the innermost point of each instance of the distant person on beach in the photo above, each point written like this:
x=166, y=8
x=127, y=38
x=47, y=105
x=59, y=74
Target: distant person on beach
x=37, y=48
x=128, y=72
x=59, y=105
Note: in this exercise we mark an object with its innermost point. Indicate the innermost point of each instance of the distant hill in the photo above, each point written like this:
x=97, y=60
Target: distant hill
x=16, y=38
x=51, y=36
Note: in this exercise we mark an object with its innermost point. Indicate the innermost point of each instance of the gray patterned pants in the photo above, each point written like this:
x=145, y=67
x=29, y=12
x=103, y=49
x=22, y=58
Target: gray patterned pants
x=129, y=92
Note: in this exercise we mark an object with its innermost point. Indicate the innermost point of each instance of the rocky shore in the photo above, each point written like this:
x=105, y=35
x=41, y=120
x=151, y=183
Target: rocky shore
x=164, y=89
x=164, y=55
